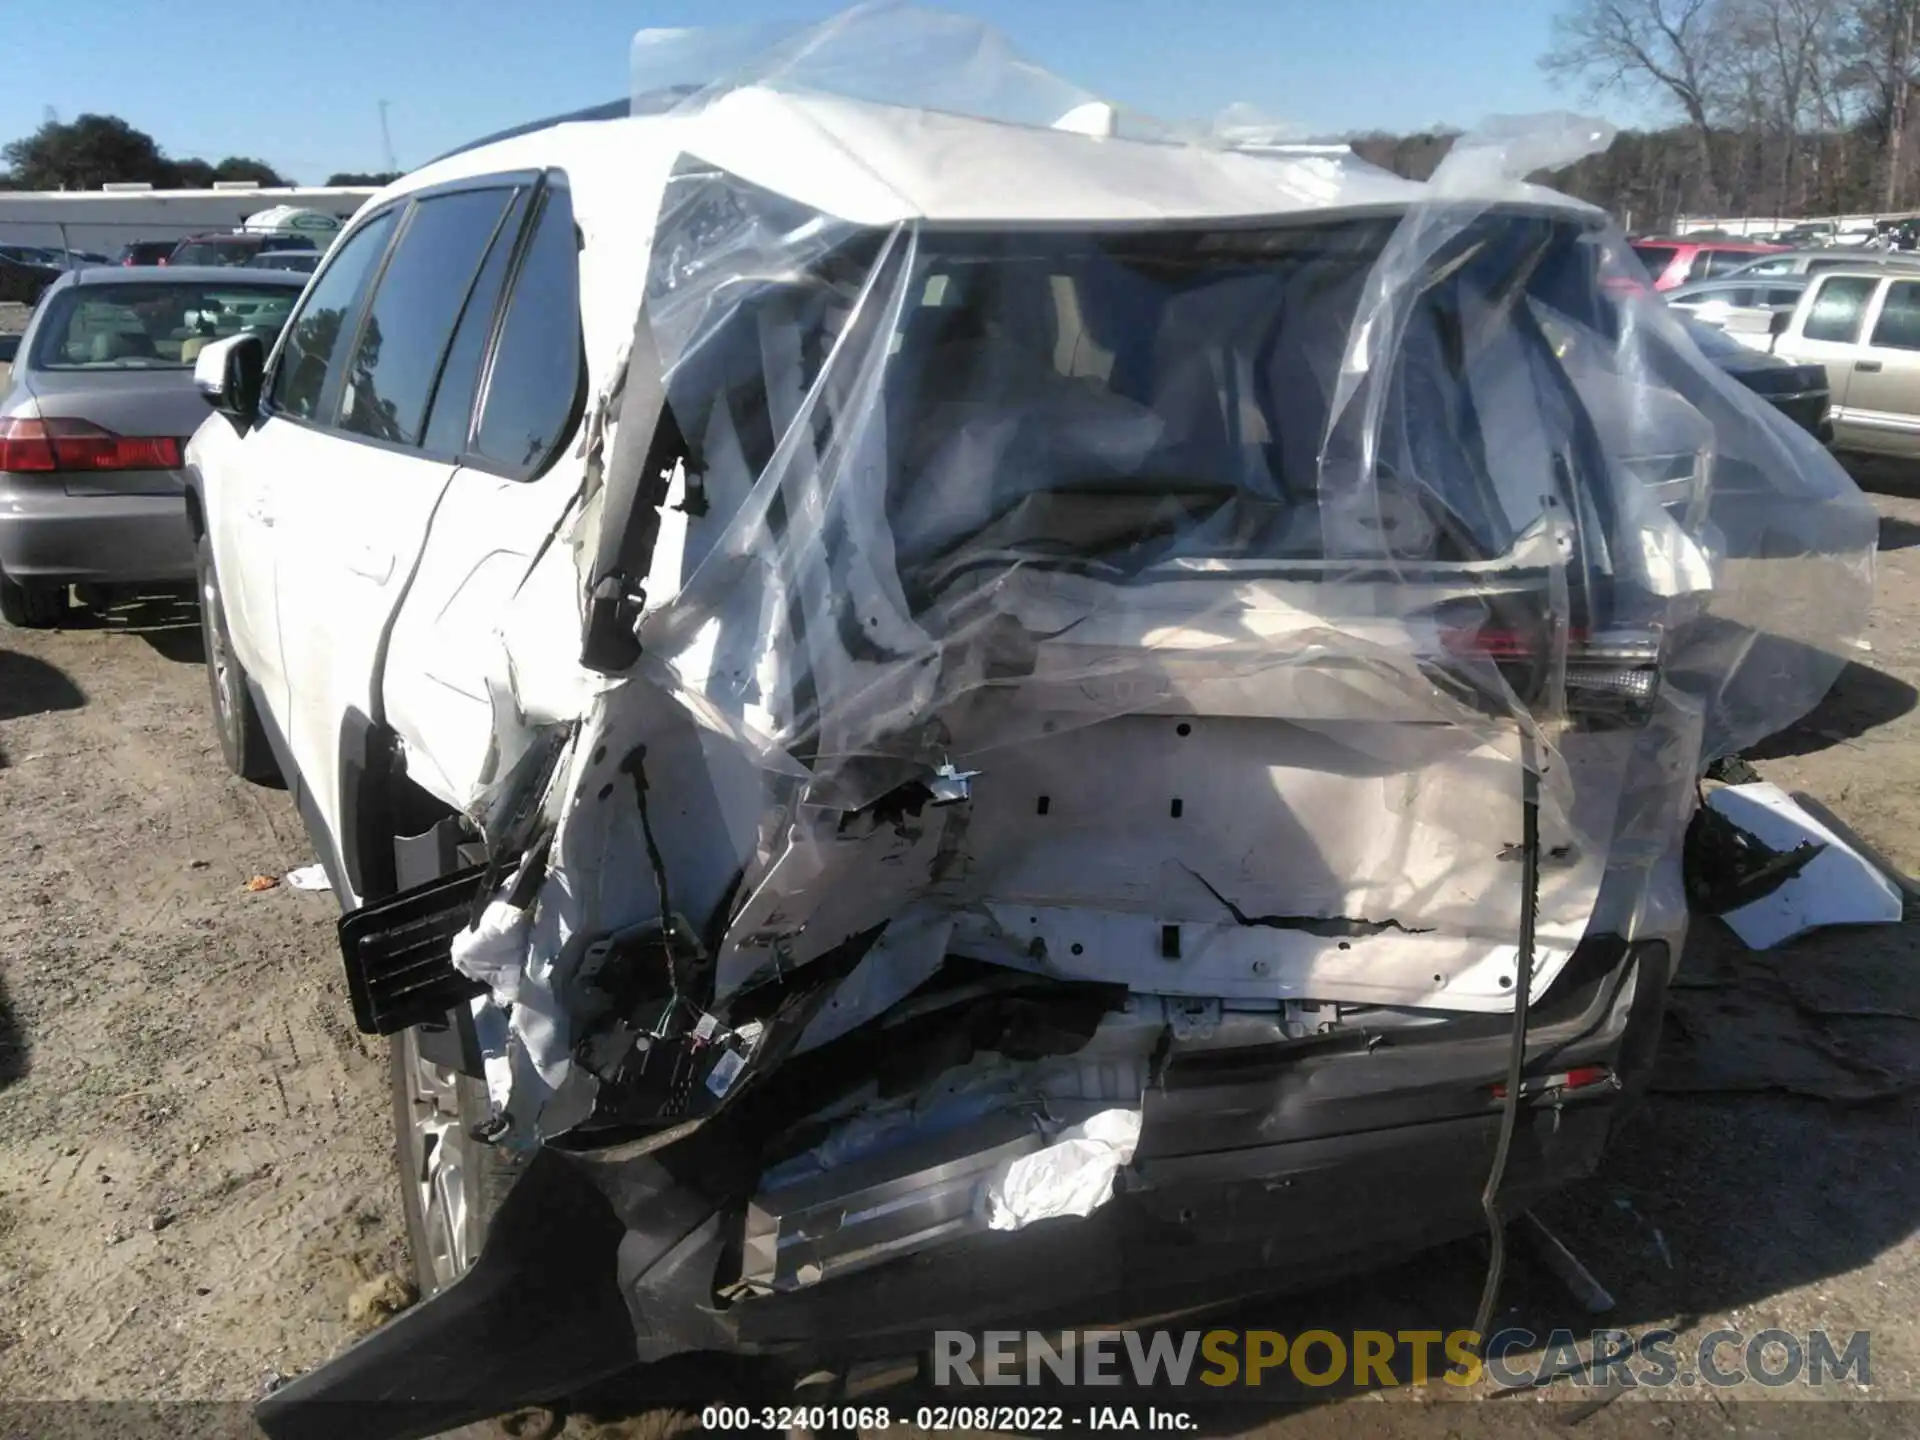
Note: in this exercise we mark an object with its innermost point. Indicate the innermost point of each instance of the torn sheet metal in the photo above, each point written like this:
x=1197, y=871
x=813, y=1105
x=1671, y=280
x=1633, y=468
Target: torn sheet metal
x=1134, y=559
x=1836, y=885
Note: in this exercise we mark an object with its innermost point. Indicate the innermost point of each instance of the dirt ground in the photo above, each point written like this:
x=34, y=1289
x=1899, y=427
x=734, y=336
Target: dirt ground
x=196, y=1174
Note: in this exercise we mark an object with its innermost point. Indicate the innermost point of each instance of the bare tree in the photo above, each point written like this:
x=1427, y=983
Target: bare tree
x=1880, y=41
x=1676, y=49
x=1795, y=47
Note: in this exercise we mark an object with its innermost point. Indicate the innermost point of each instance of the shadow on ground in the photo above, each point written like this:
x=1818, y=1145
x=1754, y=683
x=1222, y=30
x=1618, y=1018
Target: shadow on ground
x=13, y=1042
x=1884, y=474
x=167, y=617
x=30, y=686
x=1897, y=534
x=1862, y=699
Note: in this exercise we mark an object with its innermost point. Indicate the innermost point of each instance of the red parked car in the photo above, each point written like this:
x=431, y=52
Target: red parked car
x=1676, y=262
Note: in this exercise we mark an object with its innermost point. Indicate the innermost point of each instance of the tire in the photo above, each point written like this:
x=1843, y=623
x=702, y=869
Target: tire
x=32, y=607
x=450, y=1183
x=243, y=739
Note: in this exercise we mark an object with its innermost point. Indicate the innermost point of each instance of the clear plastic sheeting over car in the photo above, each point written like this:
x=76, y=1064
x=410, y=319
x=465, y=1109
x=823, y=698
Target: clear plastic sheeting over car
x=1135, y=564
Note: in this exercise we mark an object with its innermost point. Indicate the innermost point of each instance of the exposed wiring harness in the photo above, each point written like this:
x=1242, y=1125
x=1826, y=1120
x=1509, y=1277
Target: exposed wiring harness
x=1517, y=1049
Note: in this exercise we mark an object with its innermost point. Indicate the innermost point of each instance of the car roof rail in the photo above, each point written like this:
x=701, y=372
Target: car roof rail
x=654, y=102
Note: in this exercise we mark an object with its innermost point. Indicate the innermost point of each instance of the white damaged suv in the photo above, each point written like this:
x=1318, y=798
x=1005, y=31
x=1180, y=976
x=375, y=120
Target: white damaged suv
x=930, y=714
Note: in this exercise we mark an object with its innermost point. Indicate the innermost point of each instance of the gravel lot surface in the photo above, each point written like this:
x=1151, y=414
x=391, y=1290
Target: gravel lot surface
x=196, y=1181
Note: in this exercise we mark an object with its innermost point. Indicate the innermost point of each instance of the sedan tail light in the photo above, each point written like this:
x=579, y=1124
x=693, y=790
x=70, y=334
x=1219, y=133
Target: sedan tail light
x=1580, y=1077
x=1611, y=676
x=49, y=446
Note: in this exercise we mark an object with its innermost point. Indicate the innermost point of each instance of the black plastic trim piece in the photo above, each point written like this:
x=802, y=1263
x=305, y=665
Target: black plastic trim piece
x=399, y=954
x=537, y=1317
x=366, y=809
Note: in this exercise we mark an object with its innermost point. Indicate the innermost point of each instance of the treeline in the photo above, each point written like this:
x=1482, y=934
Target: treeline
x=1778, y=107
x=1649, y=178
x=96, y=150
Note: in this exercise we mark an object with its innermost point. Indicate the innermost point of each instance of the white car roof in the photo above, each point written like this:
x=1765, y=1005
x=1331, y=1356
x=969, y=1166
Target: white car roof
x=881, y=165
x=875, y=164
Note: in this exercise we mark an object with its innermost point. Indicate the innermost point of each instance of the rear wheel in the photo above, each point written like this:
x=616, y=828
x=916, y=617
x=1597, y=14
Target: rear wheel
x=32, y=606
x=450, y=1183
x=243, y=739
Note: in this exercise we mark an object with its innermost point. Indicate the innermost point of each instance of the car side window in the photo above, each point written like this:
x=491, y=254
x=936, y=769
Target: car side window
x=450, y=418
x=310, y=353
x=410, y=319
x=1898, y=327
x=1782, y=295
x=532, y=384
x=1838, y=308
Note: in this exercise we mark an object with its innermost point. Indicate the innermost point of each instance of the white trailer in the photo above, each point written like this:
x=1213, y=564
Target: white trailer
x=103, y=220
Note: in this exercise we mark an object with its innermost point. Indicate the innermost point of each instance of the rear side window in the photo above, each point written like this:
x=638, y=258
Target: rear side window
x=535, y=376
x=411, y=317
x=1719, y=262
x=1898, y=327
x=1838, y=307
x=451, y=416
x=314, y=342
x=1656, y=258
x=1770, y=267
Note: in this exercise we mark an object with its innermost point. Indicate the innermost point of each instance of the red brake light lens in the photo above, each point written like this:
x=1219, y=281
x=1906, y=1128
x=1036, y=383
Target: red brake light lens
x=1580, y=1077
x=49, y=446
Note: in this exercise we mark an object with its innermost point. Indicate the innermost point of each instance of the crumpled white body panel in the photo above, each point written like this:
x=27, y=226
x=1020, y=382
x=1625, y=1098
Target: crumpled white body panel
x=1256, y=529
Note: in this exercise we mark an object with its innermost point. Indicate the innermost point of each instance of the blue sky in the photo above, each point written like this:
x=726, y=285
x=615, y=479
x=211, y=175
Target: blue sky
x=299, y=85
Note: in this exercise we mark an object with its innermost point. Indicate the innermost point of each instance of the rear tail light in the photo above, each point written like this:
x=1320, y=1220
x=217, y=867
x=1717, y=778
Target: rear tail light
x=1611, y=676
x=1580, y=1077
x=49, y=446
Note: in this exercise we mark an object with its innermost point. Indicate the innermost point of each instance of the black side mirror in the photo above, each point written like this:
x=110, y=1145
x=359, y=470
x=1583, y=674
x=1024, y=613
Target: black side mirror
x=1778, y=322
x=228, y=374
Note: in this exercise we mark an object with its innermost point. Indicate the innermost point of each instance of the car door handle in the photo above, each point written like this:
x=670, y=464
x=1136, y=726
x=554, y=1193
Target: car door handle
x=1867, y=365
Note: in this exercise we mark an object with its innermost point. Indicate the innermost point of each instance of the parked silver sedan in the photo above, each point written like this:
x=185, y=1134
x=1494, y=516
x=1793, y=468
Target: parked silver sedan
x=92, y=426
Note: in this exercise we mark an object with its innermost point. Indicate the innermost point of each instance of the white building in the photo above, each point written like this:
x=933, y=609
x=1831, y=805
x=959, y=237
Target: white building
x=104, y=220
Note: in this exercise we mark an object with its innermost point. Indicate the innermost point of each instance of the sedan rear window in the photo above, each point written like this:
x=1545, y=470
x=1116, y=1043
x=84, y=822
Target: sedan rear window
x=234, y=249
x=1720, y=262
x=154, y=326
